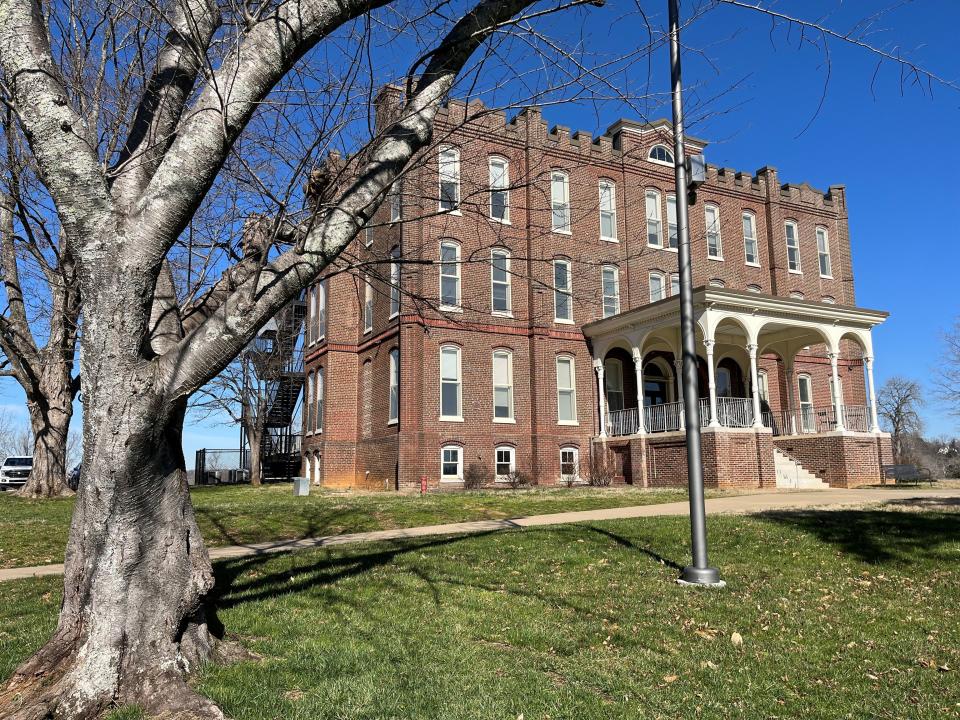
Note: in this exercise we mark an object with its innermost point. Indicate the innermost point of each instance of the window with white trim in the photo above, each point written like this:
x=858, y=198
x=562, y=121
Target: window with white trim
x=672, y=222
x=656, y=287
x=367, y=305
x=394, y=403
x=560, y=201
x=451, y=386
x=714, y=243
x=717, y=283
x=449, y=276
x=318, y=421
x=763, y=387
x=502, y=385
x=654, y=226
x=396, y=210
x=311, y=325
x=610, y=286
x=451, y=463
x=449, y=179
x=608, y=210
x=368, y=236
x=792, y=235
x=805, y=393
x=504, y=462
x=569, y=464
x=829, y=300
x=394, y=282
x=499, y=189
x=823, y=251
x=501, y=300
x=311, y=407
x=321, y=320
x=750, y=250
x=566, y=391
x=674, y=284
x=797, y=295
x=660, y=154
x=754, y=288
x=562, y=291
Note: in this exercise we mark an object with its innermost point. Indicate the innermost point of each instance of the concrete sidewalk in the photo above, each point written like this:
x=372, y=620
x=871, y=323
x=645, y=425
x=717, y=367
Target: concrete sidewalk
x=738, y=504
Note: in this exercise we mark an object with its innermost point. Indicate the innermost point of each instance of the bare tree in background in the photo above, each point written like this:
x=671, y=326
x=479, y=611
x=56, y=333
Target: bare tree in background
x=947, y=373
x=898, y=403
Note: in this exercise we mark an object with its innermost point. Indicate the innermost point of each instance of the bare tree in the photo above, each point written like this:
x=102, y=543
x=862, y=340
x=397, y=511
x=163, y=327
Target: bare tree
x=898, y=403
x=947, y=374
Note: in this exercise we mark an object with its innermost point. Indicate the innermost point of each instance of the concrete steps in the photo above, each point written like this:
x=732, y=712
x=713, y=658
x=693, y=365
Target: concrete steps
x=791, y=474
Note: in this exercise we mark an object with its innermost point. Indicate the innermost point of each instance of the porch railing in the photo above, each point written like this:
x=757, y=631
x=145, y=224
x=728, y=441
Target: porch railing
x=810, y=420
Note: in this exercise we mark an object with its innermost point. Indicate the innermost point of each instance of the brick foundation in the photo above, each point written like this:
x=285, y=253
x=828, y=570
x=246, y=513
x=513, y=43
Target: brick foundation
x=844, y=460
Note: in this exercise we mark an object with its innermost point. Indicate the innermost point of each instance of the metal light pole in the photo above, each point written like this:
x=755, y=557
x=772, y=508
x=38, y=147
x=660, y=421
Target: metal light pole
x=700, y=572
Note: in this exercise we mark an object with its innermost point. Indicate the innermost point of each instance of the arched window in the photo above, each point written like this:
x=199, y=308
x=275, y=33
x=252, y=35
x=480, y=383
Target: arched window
x=451, y=384
x=829, y=300
x=450, y=276
x=797, y=295
x=754, y=288
x=505, y=462
x=717, y=283
x=792, y=235
x=318, y=426
x=451, y=463
x=499, y=189
x=656, y=286
x=654, y=225
x=569, y=464
x=500, y=300
x=562, y=292
x=660, y=154
x=714, y=243
x=394, y=386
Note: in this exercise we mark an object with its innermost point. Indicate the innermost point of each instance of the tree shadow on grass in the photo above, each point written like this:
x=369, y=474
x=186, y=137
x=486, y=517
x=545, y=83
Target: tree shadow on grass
x=624, y=542
x=877, y=536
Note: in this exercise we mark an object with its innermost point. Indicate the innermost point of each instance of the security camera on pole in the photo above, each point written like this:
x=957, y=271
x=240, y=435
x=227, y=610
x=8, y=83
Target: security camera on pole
x=699, y=572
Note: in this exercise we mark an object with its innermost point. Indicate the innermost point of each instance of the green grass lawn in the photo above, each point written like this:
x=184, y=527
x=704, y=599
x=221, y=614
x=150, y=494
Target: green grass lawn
x=34, y=532
x=843, y=614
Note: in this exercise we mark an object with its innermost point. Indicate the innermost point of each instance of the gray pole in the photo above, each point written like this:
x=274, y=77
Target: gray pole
x=699, y=572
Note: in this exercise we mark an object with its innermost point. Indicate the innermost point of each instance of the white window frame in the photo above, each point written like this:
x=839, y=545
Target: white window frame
x=717, y=283
x=451, y=478
x=396, y=209
x=458, y=382
x=393, y=399
x=395, y=280
x=512, y=463
x=321, y=318
x=311, y=324
x=610, y=212
x=500, y=184
x=367, y=306
x=668, y=151
x=797, y=295
x=560, y=201
x=448, y=170
x=455, y=276
x=311, y=408
x=319, y=400
x=367, y=235
x=508, y=356
x=749, y=239
x=763, y=385
x=572, y=390
x=794, y=248
x=823, y=251
x=575, y=477
x=673, y=237
x=754, y=288
x=829, y=299
x=610, y=301
x=656, y=275
x=563, y=292
x=805, y=407
x=507, y=282
x=674, y=284
x=707, y=208
x=651, y=205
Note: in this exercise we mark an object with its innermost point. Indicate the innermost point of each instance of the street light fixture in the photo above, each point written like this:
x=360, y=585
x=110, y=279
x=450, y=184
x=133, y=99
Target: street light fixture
x=699, y=572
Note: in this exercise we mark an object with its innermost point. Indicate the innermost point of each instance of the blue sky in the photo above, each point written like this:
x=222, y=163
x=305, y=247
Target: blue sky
x=895, y=148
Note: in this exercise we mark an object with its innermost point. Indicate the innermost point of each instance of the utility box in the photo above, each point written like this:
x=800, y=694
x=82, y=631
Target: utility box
x=301, y=487
x=696, y=171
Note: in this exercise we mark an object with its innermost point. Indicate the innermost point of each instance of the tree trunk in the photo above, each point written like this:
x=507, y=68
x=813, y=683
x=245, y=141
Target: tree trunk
x=50, y=427
x=132, y=621
x=255, y=438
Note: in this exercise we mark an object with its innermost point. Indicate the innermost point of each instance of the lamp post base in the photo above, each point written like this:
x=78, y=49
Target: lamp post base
x=709, y=577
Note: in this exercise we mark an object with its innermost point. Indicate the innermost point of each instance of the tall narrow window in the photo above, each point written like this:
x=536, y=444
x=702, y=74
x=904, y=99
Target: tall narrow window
x=450, y=384
x=654, y=226
x=312, y=318
x=321, y=310
x=368, y=236
x=656, y=287
x=499, y=189
x=750, y=239
x=394, y=282
x=449, y=276
x=318, y=422
x=675, y=284
x=394, y=386
x=763, y=387
x=805, y=391
x=560, y=201
x=793, y=246
x=451, y=463
x=449, y=179
x=396, y=212
x=566, y=391
x=502, y=386
x=608, y=210
x=714, y=244
x=562, y=293
x=672, y=221
x=367, y=306
x=610, y=281
x=823, y=250
x=504, y=462
x=501, y=300
x=613, y=380
x=311, y=405
x=569, y=464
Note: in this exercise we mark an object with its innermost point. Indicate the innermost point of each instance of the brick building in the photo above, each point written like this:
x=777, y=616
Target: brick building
x=519, y=285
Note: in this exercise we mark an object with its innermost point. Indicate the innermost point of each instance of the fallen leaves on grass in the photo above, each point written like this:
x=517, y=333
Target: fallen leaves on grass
x=737, y=640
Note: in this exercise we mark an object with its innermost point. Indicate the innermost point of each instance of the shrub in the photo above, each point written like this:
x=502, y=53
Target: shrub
x=601, y=472
x=517, y=480
x=475, y=476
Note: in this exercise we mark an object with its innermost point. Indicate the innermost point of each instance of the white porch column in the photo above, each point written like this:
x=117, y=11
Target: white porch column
x=638, y=369
x=791, y=397
x=837, y=398
x=711, y=384
x=678, y=372
x=755, y=385
x=601, y=396
x=872, y=397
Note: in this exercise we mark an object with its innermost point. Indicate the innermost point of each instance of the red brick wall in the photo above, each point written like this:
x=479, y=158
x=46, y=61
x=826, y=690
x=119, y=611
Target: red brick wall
x=842, y=460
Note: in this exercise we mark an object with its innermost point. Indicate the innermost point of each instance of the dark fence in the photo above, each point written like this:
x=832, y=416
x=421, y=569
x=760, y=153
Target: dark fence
x=216, y=466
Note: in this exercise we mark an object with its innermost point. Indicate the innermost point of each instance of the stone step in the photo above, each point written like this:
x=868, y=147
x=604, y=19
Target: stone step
x=791, y=474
